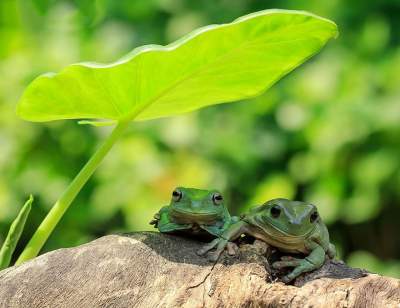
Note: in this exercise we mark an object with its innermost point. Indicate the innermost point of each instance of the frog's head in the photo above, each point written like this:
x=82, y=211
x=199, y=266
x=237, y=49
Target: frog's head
x=293, y=218
x=192, y=201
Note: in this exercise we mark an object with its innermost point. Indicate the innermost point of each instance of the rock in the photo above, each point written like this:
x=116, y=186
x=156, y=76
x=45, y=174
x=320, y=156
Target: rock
x=149, y=269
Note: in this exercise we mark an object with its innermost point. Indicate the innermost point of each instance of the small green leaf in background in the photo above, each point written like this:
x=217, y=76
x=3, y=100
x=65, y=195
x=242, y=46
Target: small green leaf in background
x=14, y=234
x=212, y=65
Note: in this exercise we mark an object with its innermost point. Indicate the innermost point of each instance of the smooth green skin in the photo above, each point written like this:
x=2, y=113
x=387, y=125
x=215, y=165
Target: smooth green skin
x=194, y=212
x=291, y=232
x=212, y=65
x=14, y=234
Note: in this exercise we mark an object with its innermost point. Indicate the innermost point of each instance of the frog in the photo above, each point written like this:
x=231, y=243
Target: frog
x=194, y=211
x=293, y=227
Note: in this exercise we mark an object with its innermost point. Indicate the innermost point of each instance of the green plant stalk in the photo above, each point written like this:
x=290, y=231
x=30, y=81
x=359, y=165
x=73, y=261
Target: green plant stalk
x=14, y=234
x=53, y=217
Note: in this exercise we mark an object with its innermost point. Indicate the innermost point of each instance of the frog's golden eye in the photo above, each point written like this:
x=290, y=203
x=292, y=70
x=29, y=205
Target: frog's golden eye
x=217, y=198
x=275, y=211
x=314, y=217
x=176, y=195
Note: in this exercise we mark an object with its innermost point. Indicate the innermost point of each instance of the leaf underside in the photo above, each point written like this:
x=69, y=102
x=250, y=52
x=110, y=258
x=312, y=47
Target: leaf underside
x=212, y=65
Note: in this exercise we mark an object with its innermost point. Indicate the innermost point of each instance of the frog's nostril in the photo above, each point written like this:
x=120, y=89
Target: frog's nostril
x=294, y=222
x=196, y=204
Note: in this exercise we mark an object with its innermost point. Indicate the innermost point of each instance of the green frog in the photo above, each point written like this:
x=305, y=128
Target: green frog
x=196, y=211
x=290, y=226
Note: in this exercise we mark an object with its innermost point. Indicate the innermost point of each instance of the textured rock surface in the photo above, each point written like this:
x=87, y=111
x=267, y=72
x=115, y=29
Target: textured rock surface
x=155, y=270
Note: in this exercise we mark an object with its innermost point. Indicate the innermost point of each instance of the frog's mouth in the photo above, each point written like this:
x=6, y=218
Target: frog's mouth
x=189, y=217
x=277, y=232
x=287, y=234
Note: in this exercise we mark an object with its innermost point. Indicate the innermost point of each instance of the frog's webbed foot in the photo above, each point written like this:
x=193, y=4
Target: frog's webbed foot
x=223, y=241
x=300, y=266
x=232, y=248
x=207, y=247
x=220, y=243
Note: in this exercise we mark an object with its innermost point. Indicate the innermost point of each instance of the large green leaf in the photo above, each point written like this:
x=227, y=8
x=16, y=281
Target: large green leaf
x=214, y=64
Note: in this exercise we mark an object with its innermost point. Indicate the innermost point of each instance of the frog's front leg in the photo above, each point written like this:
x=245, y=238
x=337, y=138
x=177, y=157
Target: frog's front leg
x=164, y=224
x=313, y=261
x=214, y=230
x=230, y=234
x=219, y=228
x=170, y=227
x=331, y=252
x=160, y=217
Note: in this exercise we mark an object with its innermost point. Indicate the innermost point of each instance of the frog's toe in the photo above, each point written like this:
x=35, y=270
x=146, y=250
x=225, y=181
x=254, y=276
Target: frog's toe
x=207, y=247
x=288, y=263
x=286, y=279
x=232, y=249
x=201, y=252
x=213, y=256
x=277, y=265
x=154, y=222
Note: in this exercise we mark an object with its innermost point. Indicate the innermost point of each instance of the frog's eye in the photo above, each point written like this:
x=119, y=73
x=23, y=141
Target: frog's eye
x=314, y=216
x=176, y=195
x=275, y=211
x=217, y=198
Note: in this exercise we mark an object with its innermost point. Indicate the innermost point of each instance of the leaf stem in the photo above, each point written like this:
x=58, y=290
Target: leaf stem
x=53, y=217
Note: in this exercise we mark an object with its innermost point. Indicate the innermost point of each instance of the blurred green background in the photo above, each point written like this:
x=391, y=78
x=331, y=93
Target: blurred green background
x=328, y=133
